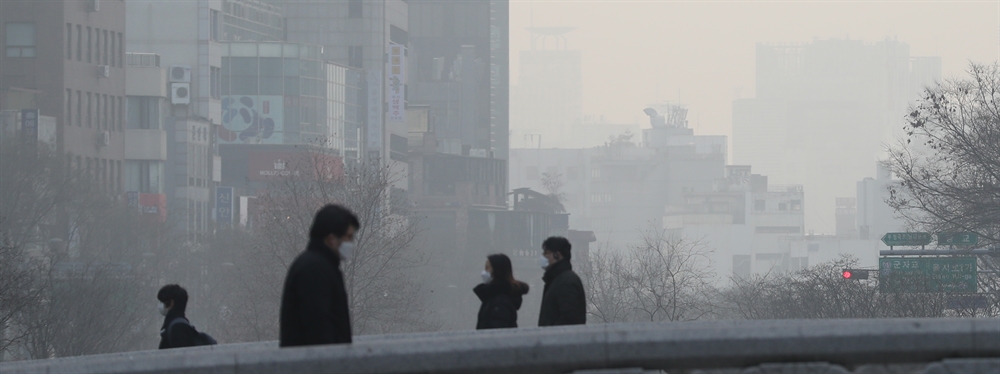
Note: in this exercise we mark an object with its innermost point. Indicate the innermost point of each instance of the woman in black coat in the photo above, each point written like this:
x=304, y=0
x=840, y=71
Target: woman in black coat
x=500, y=294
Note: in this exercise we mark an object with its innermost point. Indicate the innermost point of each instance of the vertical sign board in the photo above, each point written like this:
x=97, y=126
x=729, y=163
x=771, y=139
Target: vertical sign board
x=29, y=126
x=224, y=205
x=395, y=81
x=132, y=197
x=927, y=274
x=374, y=123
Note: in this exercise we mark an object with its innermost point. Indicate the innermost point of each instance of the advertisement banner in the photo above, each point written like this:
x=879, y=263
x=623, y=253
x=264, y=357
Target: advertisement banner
x=252, y=119
x=374, y=123
x=394, y=83
x=272, y=165
x=153, y=206
x=224, y=205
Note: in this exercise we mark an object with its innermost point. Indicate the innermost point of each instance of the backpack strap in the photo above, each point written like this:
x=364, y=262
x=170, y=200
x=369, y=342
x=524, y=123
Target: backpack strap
x=175, y=321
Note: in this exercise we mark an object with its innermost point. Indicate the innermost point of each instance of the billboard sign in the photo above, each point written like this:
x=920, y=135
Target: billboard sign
x=272, y=165
x=252, y=119
x=395, y=80
x=927, y=274
x=29, y=125
x=224, y=205
x=153, y=206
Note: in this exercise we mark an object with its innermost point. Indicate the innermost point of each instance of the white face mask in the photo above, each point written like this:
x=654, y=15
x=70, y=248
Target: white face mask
x=543, y=262
x=346, y=250
x=486, y=276
x=163, y=309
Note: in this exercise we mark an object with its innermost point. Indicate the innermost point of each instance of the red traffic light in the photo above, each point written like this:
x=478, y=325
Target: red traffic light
x=855, y=274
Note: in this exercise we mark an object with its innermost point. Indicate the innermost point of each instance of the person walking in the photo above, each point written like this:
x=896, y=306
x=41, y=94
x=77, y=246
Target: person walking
x=500, y=294
x=314, y=307
x=177, y=331
x=563, y=299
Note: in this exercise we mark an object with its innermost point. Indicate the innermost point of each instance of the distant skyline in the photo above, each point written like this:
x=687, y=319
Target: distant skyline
x=640, y=52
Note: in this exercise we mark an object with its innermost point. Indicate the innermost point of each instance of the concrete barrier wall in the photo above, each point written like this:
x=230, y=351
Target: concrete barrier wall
x=704, y=344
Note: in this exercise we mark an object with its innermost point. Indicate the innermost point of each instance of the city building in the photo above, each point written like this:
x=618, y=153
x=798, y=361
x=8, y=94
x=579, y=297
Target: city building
x=621, y=189
x=875, y=217
x=63, y=61
x=186, y=35
x=284, y=93
x=147, y=104
x=252, y=21
x=548, y=95
x=822, y=101
x=458, y=67
x=361, y=35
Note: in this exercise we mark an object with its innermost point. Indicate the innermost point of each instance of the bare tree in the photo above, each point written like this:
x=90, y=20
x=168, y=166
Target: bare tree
x=949, y=161
x=821, y=292
x=553, y=184
x=383, y=295
x=666, y=278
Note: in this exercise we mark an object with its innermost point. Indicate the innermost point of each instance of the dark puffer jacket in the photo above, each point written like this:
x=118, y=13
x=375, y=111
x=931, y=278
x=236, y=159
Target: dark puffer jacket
x=314, y=302
x=563, y=300
x=500, y=304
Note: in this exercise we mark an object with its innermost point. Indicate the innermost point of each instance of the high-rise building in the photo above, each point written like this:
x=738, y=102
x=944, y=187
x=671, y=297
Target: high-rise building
x=548, y=95
x=824, y=111
x=362, y=35
x=459, y=68
x=65, y=59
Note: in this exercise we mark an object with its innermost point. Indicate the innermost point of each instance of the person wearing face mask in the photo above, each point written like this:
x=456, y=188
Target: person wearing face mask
x=563, y=299
x=500, y=294
x=176, y=331
x=314, y=307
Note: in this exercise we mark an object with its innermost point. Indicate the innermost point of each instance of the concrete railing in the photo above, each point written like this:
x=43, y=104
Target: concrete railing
x=691, y=345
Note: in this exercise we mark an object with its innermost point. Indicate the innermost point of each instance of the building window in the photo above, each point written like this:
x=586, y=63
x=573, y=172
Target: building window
x=121, y=50
x=355, y=9
x=69, y=108
x=216, y=82
x=214, y=25
x=796, y=205
x=79, y=43
x=69, y=41
x=79, y=108
x=143, y=112
x=90, y=111
x=20, y=39
x=112, y=117
x=97, y=46
x=355, y=57
x=143, y=176
x=90, y=42
x=114, y=43
x=107, y=48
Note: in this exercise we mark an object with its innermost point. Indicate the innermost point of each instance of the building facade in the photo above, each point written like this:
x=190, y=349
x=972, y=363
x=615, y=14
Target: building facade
x=66, y=60
x=826, y=100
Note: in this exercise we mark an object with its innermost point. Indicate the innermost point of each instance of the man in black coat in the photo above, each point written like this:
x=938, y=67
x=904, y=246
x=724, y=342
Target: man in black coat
x=563, y=300
x=173, y=302
x=314, y=301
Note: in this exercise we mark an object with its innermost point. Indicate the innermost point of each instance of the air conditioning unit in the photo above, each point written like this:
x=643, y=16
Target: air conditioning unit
x=180, y=73
x=104, y=139
x=103, y=71
x=93, y=5
x=180, y=93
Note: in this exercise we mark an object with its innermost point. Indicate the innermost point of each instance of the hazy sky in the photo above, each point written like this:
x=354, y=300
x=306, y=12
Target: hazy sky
x=638, y=52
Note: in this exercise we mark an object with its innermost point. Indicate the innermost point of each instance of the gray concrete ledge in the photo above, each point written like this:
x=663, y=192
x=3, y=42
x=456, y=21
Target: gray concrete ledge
x=691, y=345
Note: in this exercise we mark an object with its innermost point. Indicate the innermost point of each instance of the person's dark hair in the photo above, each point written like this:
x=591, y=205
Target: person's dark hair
x=557, y=244
x=332, y=219
x=504, y=272
x=175, y=293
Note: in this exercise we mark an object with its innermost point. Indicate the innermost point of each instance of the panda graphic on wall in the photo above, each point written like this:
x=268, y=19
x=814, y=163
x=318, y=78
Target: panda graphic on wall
x=251, y=119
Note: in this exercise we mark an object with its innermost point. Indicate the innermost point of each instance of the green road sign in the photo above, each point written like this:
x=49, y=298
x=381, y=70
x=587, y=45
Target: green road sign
x=927, y=274
x=957, y=238
x=893, y=239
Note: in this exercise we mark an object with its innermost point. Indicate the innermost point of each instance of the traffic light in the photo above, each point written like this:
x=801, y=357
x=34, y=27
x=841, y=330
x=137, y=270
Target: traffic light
x=855, y=274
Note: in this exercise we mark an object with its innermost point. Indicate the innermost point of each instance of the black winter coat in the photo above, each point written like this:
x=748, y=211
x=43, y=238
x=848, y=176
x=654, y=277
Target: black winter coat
x=314, y=301
x=180, y=335
x=500, y=305
x=563, y=300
